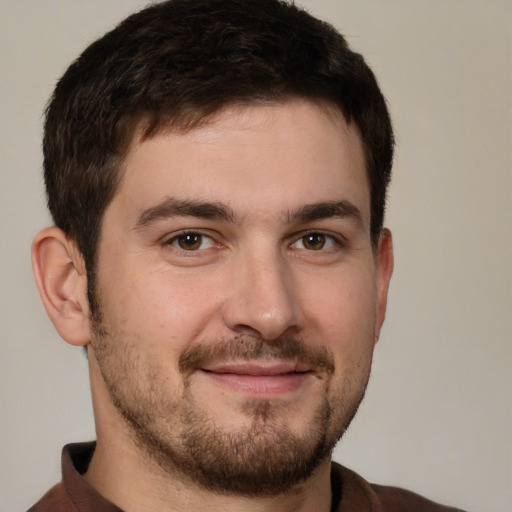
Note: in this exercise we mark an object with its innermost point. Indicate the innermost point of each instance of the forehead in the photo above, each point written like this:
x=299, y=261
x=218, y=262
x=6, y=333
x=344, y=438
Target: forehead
x=256, y=158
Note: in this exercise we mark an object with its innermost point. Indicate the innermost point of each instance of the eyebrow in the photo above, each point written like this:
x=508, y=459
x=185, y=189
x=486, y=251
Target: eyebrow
x=325, y=210
x=171, y=207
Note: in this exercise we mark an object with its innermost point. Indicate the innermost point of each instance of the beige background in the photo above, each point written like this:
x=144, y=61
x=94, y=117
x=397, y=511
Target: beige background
x=437, y=418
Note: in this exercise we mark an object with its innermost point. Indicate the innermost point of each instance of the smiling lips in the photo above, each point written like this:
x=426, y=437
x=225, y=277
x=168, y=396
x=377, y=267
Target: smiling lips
x=259, y=378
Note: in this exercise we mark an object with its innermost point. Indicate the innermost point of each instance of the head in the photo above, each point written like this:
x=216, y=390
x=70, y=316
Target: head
x=218, y=170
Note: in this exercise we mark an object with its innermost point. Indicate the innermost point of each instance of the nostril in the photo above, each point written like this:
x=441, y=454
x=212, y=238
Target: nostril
x=247, y=330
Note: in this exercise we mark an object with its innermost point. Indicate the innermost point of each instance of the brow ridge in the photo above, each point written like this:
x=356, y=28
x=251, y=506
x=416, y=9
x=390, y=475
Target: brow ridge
x=172, y=207
x=325, y=210
x=214, y=210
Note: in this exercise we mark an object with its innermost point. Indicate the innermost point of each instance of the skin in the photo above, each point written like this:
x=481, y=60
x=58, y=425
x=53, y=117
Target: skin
x=254, y=275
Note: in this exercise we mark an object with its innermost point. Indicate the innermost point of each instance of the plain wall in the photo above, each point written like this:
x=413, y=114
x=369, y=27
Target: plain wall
x=438, y=413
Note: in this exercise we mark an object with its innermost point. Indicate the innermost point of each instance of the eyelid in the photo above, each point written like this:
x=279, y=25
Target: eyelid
x=338, y=239
x=169, y=239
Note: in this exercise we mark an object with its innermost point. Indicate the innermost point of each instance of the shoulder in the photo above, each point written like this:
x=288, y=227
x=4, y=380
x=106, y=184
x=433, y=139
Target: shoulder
x=55, y=500
x=354, y=493
x=397, y=499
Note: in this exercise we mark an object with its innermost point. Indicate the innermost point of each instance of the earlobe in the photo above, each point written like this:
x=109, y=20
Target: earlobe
x=384, y=270
x=60, y=276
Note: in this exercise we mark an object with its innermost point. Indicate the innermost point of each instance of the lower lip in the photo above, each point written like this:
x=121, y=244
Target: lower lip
x=260, y=384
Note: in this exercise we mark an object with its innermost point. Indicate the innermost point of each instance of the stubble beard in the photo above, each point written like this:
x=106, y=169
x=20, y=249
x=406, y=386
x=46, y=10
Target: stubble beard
x=265, y=458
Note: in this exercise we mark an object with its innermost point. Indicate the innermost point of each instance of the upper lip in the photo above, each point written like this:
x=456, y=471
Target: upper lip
x=258, y=368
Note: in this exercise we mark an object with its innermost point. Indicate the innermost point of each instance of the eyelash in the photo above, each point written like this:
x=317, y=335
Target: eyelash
x=177, y=236
x=337, y=241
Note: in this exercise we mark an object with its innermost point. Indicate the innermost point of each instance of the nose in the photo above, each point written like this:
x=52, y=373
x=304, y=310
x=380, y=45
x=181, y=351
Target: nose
x=262, y=298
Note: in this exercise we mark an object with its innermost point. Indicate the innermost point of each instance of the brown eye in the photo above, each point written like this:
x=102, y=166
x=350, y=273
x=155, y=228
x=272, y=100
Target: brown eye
x=314, y=241
x=192, y=242
x=189, y=242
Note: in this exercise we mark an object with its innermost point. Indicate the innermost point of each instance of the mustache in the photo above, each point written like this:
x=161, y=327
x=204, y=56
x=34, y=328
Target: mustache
x=247, y=348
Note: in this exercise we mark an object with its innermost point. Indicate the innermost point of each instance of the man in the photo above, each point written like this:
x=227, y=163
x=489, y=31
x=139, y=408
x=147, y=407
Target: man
x=217, y=173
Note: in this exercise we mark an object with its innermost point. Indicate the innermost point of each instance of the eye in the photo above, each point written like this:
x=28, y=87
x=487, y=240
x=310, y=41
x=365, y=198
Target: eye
x=191, y=241
x=315, y=241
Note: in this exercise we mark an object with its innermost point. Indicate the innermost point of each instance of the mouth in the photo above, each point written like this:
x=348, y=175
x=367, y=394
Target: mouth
x=261, y=378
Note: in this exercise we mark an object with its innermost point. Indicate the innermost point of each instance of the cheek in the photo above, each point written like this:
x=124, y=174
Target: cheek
x=342, y=302
x=161, y=308
x=342, y=317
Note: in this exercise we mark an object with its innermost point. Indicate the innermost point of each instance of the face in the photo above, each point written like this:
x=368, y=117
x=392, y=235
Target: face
x=238, y=290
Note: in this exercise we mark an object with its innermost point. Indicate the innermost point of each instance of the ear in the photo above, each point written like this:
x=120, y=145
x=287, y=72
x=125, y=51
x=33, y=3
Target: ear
x=384, y=270
x=60, y=275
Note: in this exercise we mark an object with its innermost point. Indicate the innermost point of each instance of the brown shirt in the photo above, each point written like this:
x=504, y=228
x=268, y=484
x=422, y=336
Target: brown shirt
x=351, y=493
